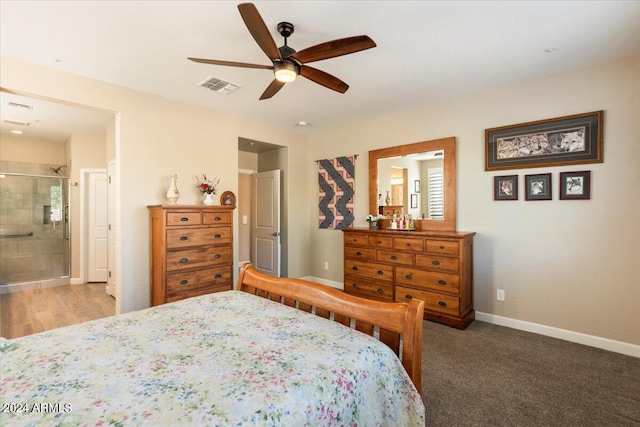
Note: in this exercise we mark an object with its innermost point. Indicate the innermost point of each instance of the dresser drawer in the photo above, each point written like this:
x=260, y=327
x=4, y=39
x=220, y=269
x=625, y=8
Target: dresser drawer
x=210, y=218
x=198, y=257
x=405, y=258
x=381, y=242
x=356, y=239
x=368, y=289
x=443, y=247
x=369, y=270
x=439, y=263
x=183, y=237
x=423, y=279
x=183, y=218
x=439, y=303
x=187, y=281
x=360, y=253
x=408, y=244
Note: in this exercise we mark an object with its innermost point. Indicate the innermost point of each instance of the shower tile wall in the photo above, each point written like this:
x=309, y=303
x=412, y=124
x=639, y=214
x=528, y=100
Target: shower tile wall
x=45, y=254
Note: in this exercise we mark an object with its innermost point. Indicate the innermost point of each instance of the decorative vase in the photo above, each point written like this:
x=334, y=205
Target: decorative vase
x=208, y=199
x=172, y=193
x=374, y=225
x=388, y=199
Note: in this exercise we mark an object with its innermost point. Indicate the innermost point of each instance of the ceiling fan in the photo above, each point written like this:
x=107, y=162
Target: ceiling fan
x=287, y=64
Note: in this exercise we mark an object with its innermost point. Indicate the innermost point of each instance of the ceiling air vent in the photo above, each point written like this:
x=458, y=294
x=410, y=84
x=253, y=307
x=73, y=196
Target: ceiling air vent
x=16, y=122
x=21, y=106
x=218, y=85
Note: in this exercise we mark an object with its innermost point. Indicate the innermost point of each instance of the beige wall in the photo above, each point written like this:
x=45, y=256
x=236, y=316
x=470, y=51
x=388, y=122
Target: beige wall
x=21, y=149
x=565, y=264
x=244, y=210
x=157, y=137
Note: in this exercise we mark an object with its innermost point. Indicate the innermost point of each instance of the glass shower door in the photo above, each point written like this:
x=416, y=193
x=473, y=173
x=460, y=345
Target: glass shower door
x=34, y=231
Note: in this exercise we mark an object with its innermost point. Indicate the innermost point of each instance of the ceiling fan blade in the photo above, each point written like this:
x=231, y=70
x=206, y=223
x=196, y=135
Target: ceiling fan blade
x=272, y=89
x=324, y=79
x=333, y=48
x=259, y=30
x=231, y=63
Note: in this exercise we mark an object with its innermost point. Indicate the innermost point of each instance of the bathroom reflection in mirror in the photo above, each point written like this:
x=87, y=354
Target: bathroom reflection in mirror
x=422, y=172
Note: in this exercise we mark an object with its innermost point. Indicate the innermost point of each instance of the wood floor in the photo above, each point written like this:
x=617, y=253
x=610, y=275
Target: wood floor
x=32, y=311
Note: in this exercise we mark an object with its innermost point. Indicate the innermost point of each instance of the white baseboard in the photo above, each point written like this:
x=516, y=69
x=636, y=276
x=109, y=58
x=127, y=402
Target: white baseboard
x=326, y=282
x=563, y=334
x=76, y=281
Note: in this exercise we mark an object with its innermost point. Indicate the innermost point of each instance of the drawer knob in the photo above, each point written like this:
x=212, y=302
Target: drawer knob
x=442, y=303
x=184, y=282
x=217, y=256
x=435, y=262
x=184, y=260
x=380, y=291
x=217, y=218
x=379, y=242
x=442, y=282
x=408, y=244
x=408, y=296
x=358, y=253
x=217, y=236
x=355, y=285
x=380, y=272
x=441, y=247
x=393, y=257
x=184, y=238
x=217, y=276
x=408, y=276
x=184, y=219
x=354, y=268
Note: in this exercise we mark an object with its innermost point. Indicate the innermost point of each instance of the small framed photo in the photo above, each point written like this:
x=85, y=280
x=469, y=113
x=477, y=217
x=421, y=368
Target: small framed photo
x=414, y=201
x=228, y=199
x=505, y=187
x=416, y=186
x=575, y=185
x=538, y=187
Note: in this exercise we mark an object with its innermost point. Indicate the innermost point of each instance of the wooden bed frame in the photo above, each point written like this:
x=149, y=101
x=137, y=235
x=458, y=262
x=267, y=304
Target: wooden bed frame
x=399, y=325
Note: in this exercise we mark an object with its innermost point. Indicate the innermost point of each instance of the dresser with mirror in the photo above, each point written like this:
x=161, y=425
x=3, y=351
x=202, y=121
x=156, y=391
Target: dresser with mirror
x=431, y=260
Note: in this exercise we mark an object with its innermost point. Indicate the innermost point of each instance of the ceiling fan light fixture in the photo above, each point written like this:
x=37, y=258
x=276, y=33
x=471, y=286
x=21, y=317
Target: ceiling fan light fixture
x=285, y=72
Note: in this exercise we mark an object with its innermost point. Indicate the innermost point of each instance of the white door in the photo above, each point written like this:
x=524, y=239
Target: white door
x=111, y=239
x=97, y=228
x=266, y=222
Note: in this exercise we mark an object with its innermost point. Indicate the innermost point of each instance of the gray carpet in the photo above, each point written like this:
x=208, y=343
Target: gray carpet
x=489, y=375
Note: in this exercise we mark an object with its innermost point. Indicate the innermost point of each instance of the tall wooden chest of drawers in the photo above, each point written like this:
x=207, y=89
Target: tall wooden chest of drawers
x=191, y=251
x=436, y=267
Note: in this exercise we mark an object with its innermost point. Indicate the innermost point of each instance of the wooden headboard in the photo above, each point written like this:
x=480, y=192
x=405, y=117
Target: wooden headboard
x=392, y=322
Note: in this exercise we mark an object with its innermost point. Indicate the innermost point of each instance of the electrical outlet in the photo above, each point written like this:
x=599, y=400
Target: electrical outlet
x=326, y=265
x=500, y=295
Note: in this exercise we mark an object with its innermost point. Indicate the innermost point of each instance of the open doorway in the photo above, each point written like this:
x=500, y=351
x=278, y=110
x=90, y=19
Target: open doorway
x=257, y=157
x=46, y=139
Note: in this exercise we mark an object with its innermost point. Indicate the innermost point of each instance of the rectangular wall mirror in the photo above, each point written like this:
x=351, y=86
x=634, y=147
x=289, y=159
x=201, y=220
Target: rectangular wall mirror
x=423, y=173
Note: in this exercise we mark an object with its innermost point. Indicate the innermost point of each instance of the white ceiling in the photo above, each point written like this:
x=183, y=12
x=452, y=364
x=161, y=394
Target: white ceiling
x=427, y=51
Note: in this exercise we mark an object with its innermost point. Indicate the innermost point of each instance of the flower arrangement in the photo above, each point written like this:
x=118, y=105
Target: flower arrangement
x=206, y=185
x=371, y=218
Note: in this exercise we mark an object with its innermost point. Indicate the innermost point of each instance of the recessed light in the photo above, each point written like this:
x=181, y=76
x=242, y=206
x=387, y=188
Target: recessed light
x=550, y=49
x=302, y=123
x=17, y=132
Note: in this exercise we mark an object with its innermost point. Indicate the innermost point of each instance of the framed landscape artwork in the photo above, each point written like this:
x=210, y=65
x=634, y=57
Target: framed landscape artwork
x=554, y=142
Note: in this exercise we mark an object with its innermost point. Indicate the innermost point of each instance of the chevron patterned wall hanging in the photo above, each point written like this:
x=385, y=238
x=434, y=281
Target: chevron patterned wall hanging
x=336, y=179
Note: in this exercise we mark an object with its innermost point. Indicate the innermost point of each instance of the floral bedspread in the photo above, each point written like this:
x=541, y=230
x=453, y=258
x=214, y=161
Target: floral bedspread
x=225, y=359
